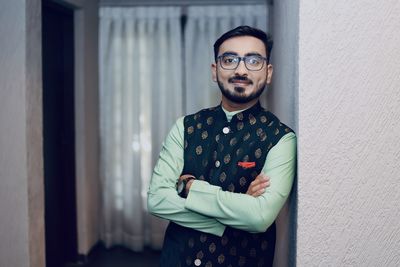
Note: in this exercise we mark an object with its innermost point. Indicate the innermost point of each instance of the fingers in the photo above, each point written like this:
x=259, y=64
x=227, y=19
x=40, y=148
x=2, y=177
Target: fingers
x=258, y=193
x=260, y=179
x=257, y=187
x=262, y=176
x=185, y=176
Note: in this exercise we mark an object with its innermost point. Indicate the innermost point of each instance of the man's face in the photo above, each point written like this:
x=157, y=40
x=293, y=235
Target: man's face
x=241, y=85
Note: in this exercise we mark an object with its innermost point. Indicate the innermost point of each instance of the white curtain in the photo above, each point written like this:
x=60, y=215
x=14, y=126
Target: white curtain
x=204, y=25
x=140, y=98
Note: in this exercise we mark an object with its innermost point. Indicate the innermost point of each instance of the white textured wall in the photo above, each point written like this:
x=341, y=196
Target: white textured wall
x=349, y=153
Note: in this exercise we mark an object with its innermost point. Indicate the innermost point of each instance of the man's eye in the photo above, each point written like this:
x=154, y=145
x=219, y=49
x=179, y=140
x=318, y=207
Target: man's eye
x=254, y=60
x=229, y=60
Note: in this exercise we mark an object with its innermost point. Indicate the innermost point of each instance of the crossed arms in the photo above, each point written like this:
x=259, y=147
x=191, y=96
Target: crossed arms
x=208, y=208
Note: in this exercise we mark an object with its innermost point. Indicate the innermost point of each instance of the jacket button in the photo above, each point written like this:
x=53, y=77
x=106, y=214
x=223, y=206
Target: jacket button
x=225, y=130
x=217, y=163
x=197, y=262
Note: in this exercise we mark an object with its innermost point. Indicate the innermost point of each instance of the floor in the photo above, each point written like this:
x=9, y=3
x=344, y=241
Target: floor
x=119, y=257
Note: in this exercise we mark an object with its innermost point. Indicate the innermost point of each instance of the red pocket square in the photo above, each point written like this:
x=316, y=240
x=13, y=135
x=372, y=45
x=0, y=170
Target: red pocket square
x=246, y=165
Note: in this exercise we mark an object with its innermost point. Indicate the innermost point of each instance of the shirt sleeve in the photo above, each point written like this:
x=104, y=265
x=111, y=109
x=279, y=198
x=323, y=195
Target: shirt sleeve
x=162, y=198
x=245, y=212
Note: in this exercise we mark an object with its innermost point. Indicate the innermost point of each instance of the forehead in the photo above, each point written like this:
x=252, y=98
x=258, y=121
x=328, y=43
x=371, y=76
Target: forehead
x=243, y=45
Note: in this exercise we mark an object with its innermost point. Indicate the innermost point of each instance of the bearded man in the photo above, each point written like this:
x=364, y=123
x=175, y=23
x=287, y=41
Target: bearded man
x=225, y=172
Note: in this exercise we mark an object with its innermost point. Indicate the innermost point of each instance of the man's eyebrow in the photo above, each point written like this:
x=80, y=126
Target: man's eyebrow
x=229, y=53
x=253, y=54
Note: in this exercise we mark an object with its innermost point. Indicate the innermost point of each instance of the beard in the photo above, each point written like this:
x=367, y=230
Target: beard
x=236, y=96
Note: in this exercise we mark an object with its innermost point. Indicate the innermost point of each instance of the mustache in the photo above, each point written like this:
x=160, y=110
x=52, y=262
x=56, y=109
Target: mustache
x=240, y=78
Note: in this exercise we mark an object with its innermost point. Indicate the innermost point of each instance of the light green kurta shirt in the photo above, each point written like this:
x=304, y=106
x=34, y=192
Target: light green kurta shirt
x=207, y=207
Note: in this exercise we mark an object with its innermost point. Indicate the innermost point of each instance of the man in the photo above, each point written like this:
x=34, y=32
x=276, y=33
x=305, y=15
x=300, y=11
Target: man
x=211, y=178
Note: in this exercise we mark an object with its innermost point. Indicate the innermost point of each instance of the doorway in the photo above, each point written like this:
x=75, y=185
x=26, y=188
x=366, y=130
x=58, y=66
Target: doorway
x=59, y=133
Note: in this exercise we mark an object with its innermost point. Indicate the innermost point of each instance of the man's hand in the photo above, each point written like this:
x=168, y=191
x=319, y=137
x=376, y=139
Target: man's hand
x=257, y=187
x=185, y=176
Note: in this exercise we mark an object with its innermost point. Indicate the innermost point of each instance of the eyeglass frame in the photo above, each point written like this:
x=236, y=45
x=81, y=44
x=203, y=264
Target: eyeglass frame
x=242, y=59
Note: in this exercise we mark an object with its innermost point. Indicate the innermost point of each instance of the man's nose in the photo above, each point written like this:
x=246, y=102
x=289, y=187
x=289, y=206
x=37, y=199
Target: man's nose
x=241, y=69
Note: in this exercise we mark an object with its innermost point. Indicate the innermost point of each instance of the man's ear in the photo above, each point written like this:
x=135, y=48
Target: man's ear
x=214, y=72
x=270, y=70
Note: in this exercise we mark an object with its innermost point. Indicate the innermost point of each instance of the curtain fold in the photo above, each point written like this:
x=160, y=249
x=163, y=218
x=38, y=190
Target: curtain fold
x=204, y=25
x=140, y=98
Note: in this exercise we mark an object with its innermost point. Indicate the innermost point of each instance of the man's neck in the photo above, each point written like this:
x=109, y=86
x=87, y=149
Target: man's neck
x=232, y=106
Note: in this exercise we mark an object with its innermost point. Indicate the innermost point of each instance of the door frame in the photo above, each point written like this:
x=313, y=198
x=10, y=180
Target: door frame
x=86, y=121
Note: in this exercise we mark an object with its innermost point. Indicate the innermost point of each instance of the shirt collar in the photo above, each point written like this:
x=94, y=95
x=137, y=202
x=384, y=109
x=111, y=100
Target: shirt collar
x=238, y=114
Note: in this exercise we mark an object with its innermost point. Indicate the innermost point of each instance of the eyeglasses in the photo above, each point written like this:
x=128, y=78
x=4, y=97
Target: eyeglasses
x=231, y=62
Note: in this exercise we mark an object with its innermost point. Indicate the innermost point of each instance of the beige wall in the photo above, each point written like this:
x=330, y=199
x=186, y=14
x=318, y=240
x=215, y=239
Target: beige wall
x=21, y=166
x=349, y=107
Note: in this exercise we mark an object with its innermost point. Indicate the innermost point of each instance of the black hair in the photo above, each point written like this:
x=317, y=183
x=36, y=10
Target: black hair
x=245, y=31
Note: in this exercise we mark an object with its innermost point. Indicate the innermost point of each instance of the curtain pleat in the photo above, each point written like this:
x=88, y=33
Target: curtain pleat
x=138, y=95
